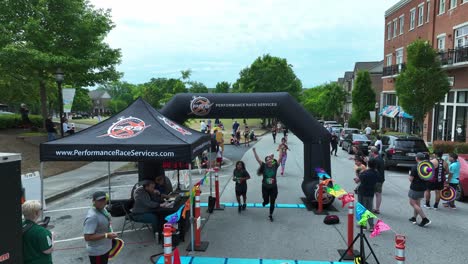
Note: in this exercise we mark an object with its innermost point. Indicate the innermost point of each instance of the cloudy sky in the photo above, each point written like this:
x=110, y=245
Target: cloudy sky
x=218, y=38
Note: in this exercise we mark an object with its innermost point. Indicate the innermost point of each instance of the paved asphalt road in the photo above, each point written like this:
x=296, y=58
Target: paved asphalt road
x=295, y=233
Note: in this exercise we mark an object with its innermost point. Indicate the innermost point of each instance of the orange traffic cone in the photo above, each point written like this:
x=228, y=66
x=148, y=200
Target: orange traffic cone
x=176, y=256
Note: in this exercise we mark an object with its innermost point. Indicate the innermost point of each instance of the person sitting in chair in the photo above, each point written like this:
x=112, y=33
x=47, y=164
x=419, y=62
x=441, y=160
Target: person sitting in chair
x=163, y=185
x=146, y=200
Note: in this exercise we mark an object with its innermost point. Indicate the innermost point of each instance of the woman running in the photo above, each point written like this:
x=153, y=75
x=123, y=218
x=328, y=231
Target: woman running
x=273, y=132
x=268, y=170
x=283, y=155
x=240, y=176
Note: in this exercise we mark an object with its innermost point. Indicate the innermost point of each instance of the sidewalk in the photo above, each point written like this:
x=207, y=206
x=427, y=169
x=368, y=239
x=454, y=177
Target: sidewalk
x=68, y=182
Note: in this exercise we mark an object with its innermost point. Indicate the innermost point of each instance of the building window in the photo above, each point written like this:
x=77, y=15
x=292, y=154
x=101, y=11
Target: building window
x=453, y=4
x=389, y=60
x=421, y=14
x=412, y=18
x=390, y=99
x=402, y=24
x=451, y=97
x=389, y=31
x=461, y=37
x=395, y=28
x=441, y=7
x=462, y=97
x=428, y=11
x=441, y=43
x=399, y=56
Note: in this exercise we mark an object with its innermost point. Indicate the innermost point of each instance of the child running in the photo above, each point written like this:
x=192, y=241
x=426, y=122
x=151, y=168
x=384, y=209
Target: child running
x=268, y=170
x=240, y=176
x=283, y=154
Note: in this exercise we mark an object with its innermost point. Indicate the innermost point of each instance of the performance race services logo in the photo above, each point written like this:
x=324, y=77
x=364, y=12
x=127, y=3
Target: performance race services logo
x=175, y=126
x=126, y=127
x=200, y=106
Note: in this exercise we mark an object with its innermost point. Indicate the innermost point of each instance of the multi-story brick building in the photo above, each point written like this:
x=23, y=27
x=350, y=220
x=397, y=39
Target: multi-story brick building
x=444, y=23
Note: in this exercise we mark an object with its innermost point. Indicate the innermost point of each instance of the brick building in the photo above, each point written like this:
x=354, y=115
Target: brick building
x=444, y=23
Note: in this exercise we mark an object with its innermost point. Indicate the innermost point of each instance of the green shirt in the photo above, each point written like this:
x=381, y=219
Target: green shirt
x=36, y=240
x=269, y=174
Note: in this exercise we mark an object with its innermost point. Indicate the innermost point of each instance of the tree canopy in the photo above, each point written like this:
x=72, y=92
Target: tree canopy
x=363, y=97
x=82, y=102
x=325, y=101
x=222, y=87
x=268, y=74
x=423, y=83
x=37, y=37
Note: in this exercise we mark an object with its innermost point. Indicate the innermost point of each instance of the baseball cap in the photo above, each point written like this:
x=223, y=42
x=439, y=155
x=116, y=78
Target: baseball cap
x=97, y=196
x=420, y=156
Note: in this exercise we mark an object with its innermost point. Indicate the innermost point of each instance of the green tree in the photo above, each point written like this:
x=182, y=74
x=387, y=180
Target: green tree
x=310, y=101
x=117, y=105
x=82, y=102
x=363, y=97
x=222, y=87
x=159, y=91
x=269, y=74
x=37, y=37
x=198, y=87
x=331, y=101
x=423, y=83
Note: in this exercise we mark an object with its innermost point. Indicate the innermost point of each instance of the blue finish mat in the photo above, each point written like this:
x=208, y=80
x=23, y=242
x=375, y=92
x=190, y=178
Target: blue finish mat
x=259, y=205
x=208, y=260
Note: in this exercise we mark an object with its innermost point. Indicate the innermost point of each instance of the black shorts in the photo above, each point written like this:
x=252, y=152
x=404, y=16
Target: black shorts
x=431, y=186
x=241, y=189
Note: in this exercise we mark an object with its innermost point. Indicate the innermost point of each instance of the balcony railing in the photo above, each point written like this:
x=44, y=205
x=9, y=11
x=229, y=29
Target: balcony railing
x=453, y=56
x=393, y=69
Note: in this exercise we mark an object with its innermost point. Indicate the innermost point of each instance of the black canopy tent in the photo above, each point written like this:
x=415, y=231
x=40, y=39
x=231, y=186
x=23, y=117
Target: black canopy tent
x=137, y=133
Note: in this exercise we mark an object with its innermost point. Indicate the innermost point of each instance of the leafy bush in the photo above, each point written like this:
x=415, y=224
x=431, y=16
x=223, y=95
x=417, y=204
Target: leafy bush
x=462, y=148
x=14, y=121
x=444, y=146
x=354, y=122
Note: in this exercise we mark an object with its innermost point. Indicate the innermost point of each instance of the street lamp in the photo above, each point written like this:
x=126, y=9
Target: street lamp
x=59, y=79
x=377, y=114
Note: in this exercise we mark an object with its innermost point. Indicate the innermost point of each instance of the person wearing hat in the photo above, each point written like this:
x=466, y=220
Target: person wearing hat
x=98, y=232
x=416, y=192
x=146, y=200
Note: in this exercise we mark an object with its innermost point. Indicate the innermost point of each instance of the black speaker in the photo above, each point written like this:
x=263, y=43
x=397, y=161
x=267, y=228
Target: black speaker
x=11, y=243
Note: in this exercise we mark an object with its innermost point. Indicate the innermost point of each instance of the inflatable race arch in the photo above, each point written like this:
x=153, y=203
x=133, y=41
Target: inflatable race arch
x=281, y=105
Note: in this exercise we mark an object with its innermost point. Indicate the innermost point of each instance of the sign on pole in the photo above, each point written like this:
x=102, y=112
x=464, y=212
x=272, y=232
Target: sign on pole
x=32, y=187
x=372, y=116
x=68, y=95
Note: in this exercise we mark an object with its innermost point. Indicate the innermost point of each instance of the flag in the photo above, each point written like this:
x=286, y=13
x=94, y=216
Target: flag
x=365, y=217
x=326, y=182
x=322, y=173
x=345, y=199
x=379, y=227
x=360, y=209
x=186, y=208
x=174, y=218
x=336, y=193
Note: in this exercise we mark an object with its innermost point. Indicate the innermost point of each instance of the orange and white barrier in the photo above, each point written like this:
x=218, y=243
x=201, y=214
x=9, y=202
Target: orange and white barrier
x=350, y=226
x=400, y=241
x=167, y=231
x=217, y=203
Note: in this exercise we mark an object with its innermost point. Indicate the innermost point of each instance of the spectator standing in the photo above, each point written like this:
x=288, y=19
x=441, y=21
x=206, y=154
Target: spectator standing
x=454, y=175
x=38, y=242
x=380, y=167
x=235, y=126
x=368, y=130
x=436, y=184
x=98, y=232
x=334, y=143
x=416, y=193
x=202, y=126
x=24, y=111
x=51, y=129
x=246, y=136
x=367, y=180
x=378, y=144
x=219, y=138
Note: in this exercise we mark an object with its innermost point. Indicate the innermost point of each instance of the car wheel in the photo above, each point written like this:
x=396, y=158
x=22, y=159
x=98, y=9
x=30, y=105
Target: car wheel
x=460, y=196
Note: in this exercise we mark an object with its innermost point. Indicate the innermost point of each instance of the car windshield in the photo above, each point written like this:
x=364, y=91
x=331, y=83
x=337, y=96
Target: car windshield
x=359, y=137
x=352, y=131
x=411, y=144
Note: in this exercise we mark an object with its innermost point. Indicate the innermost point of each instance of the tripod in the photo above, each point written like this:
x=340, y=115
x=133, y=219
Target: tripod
x=362, y=254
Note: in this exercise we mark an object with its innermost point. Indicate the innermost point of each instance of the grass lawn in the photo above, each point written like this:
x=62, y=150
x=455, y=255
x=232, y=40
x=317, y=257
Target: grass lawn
x=87, y=121
x=32, y=134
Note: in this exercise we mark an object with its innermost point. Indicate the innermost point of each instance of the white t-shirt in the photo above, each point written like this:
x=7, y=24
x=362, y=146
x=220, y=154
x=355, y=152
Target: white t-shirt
x=203, y=126
x=378, y=144
x=368, y=130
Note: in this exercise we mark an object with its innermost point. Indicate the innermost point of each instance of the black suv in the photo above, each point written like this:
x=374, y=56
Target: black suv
x=401, y=150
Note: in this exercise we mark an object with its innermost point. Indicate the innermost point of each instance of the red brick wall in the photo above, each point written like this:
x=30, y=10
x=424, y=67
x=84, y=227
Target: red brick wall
x=446, y=22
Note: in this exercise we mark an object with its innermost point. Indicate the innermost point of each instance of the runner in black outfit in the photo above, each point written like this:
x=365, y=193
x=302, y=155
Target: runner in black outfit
x=268, y=170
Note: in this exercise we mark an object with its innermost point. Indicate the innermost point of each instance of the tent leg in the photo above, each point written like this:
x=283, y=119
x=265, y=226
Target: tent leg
x=192, y=220
x=41, y=170
x=109, y=180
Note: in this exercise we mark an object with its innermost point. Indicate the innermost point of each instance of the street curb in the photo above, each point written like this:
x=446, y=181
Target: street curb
x=69, y=191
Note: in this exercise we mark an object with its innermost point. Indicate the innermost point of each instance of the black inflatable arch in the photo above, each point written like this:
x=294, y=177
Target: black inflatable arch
x=283, y=106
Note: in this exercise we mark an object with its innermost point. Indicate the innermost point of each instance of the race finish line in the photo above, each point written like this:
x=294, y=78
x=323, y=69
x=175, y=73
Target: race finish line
x=208, y=260
x=259, y=205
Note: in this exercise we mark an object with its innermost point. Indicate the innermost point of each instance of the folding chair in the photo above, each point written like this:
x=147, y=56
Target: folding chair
x=126, y=207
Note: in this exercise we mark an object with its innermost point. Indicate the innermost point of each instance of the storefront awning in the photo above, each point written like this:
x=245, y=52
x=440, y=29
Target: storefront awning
x=393, y=110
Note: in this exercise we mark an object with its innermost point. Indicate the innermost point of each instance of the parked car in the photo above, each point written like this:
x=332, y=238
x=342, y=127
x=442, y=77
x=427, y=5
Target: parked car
x=358, y=140
x=401, y=150
x=346, y=131
x=326, y=123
